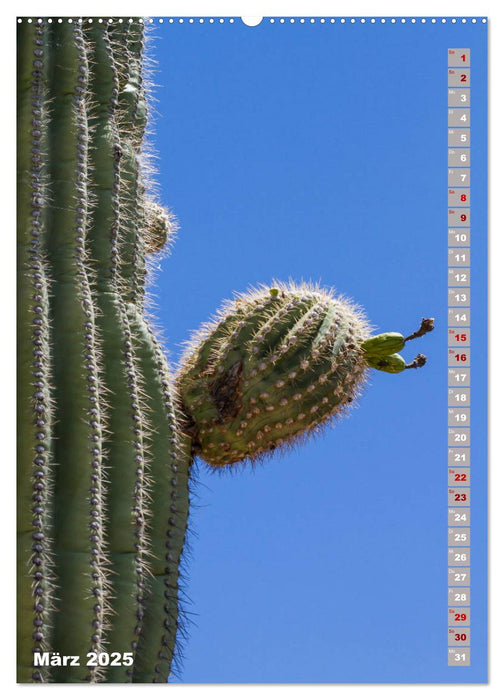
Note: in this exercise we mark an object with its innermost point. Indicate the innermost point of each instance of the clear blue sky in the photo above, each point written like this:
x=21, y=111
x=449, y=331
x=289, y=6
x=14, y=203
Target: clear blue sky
x=320, y=153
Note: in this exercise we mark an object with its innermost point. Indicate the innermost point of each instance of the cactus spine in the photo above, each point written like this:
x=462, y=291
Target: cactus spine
x=106, y=434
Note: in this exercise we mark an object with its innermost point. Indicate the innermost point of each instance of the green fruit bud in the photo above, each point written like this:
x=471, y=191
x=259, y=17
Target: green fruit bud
x=383, y=344
x=390, y=363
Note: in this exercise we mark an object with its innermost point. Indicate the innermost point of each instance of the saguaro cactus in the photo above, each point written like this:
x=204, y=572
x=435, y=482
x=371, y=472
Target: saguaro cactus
x=106, y=435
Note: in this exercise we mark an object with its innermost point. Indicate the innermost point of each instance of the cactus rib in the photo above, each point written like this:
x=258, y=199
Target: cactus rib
x=169, y=471
x=127, y=421
x=132, y=121
x=79, y=510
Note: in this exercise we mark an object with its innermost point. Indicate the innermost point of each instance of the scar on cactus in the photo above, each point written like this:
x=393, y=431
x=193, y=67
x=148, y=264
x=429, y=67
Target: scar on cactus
x=275, y=365
x=107, y=433
x=159, y=229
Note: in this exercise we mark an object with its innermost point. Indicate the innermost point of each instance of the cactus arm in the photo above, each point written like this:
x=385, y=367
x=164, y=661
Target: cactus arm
x=276, y=333
x=171, y=458
x=285, y=367
x=34, y=405
x=79, y=490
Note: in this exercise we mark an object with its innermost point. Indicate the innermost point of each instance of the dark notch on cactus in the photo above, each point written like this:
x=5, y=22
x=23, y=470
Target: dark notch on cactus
x=107, y=436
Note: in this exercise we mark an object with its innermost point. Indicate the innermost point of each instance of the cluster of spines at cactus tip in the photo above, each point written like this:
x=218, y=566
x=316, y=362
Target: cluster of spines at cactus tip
x=107, y=430
x=276, y=364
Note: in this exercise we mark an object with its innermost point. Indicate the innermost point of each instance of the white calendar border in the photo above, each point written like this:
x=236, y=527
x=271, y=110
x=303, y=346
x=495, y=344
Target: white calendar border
x=316, y=8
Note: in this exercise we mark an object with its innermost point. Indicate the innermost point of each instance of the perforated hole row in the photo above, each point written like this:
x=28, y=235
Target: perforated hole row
x=255, y=21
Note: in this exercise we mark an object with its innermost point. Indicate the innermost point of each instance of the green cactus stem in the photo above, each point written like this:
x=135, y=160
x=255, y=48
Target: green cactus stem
x=103, y=464
x=79, y=494
x=34, y=367
x=127, y=416
x=171, y=456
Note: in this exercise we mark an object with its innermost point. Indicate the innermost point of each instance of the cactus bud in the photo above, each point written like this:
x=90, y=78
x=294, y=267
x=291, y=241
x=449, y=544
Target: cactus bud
x=383, y=344
x=275, y=364
x=380, y=351
x=159, y=228
x=388, y=363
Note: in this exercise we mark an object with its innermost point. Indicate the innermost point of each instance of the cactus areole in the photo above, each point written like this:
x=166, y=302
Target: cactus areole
x=106, y=433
